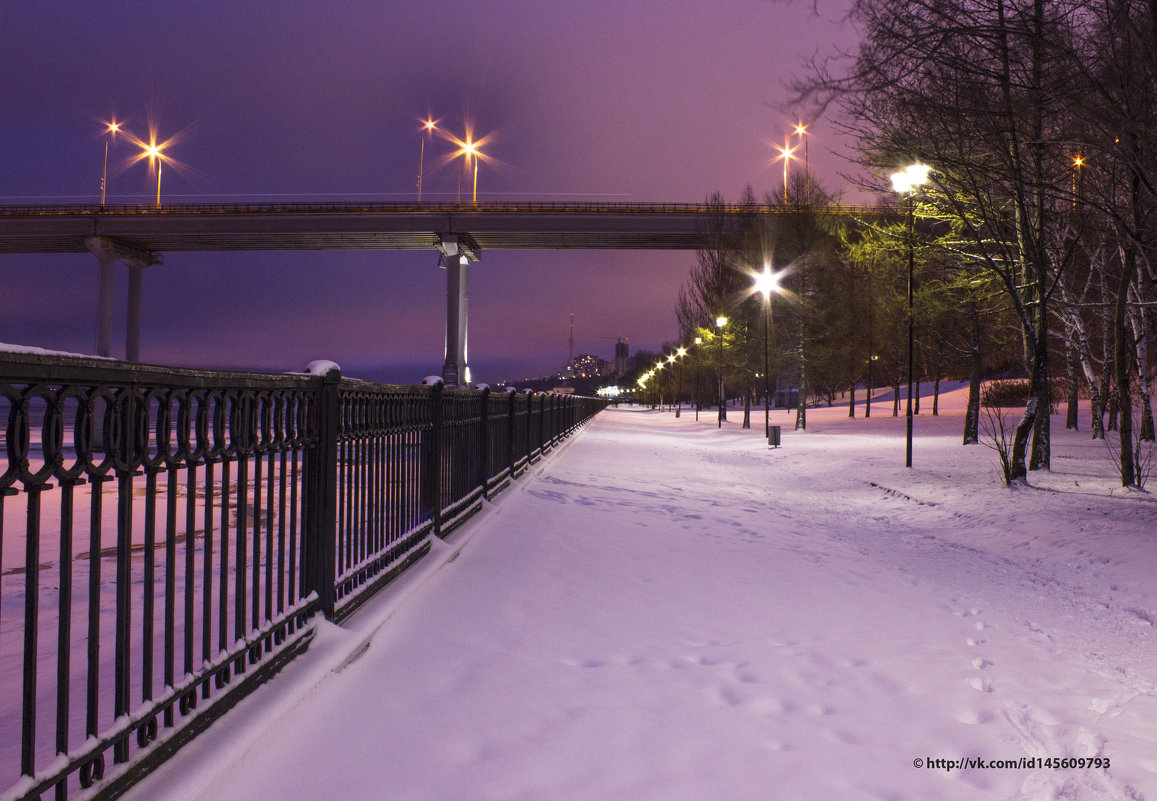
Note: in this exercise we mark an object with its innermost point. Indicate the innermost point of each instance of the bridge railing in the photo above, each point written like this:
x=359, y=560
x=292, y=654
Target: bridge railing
x=168, y=537
x=432, y=207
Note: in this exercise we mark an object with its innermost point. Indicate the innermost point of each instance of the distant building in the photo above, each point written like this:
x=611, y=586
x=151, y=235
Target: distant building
x=586, y=366
x=622, y=351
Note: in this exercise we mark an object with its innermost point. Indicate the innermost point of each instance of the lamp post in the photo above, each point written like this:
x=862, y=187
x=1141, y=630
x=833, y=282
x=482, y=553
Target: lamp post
x=468, y=148
x=155, y=154
x=1078, y=162
x=786, y=154
x=767, y=284
x=695, y=394
x=913, y=176
x=110, y=130
x=720, y=322
x=679, y=353
x=473, y=154
x=801, y=132
x=428, y=128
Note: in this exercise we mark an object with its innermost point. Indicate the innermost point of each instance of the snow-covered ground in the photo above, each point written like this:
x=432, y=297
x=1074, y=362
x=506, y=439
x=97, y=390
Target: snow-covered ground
x=664, y=610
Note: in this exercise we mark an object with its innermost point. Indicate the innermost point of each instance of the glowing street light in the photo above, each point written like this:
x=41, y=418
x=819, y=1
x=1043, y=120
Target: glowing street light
x=428, y=128
x=908, y=181
x=155, y=154
x=470, y=149
x=1078, y=162
x=679, y=354
x=695, y=400
x=720, y=323
x=801, y=132
x=111, y=129
x=786, y=154
x=767, y=284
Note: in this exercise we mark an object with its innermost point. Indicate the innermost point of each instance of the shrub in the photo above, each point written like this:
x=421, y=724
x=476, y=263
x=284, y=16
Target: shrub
x=1006, y=393
x=1003, y=394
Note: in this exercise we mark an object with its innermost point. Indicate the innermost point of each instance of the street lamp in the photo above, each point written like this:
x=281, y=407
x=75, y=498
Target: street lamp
x=767, y=284
x=801, y=132
x=111, y=129
x=428, y=128
x=695, y=399
x=1078, y=162
x=786, y=154
x=471, y=151
x=154, y=152
x=913, y=176
x=720, y=322
x=468, y=147
x=679, y=353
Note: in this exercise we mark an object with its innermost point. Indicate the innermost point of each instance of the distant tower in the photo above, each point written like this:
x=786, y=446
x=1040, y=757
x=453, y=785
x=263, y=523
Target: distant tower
x=621, y=354
x=570, y=357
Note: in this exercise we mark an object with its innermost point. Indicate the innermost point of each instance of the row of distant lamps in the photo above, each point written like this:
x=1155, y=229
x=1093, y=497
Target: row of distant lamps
x=767, y=284
x=468, y=147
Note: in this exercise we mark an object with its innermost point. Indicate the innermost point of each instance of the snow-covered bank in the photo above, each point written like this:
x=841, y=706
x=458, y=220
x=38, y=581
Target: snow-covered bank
x=669, y=611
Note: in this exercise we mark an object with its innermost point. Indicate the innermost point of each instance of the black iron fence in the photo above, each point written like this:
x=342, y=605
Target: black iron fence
x=167, y=536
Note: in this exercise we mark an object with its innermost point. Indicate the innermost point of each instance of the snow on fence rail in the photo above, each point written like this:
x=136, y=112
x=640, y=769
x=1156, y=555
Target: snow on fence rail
x=168, y=536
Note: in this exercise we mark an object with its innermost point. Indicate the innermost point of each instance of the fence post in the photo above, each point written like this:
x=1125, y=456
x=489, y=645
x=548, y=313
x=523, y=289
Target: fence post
x=484, y=469
x=432, y=461
x=510, y=438
x=321, y=537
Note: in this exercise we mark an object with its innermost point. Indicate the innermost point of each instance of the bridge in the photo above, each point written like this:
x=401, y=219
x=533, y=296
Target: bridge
x=138, y=236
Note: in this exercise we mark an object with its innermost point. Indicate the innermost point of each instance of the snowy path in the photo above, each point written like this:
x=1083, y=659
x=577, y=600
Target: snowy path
x=668, y=611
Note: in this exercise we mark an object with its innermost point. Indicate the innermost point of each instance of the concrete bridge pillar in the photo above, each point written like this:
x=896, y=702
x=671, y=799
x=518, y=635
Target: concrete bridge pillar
x=458, y=251
x=108, y=252
x=104, y=308
x=133, y=318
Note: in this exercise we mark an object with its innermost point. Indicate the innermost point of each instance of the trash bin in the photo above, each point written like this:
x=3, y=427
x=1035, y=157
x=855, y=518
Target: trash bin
x=773, y=436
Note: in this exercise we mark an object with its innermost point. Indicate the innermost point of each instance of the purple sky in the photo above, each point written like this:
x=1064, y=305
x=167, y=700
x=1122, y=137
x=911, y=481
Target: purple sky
x=600, y=100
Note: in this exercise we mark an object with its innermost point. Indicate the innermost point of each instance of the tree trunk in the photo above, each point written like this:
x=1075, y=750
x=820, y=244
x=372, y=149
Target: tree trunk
x=801, y=401
x=801, y=404
x=1071, y=420
x=1114, y=401
x=1096, y=394
x=1025, y=429
x=1122, y=347
x=1108, y=392
x=1137, y=321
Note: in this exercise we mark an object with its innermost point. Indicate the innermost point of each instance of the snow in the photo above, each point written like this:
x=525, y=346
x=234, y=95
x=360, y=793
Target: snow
x=321, y=367
x=34, y=351
x=665, y=610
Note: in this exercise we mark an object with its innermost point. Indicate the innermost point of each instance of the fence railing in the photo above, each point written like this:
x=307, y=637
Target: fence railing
x=167, y=536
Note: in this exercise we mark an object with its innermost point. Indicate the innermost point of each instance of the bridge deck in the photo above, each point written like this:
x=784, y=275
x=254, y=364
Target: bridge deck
x=383, y=226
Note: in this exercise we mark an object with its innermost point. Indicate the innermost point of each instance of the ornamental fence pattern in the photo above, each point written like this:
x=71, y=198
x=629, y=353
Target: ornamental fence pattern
x=168, y=537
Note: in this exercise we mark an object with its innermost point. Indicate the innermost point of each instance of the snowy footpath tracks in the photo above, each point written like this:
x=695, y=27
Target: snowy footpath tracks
x=664, y=610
